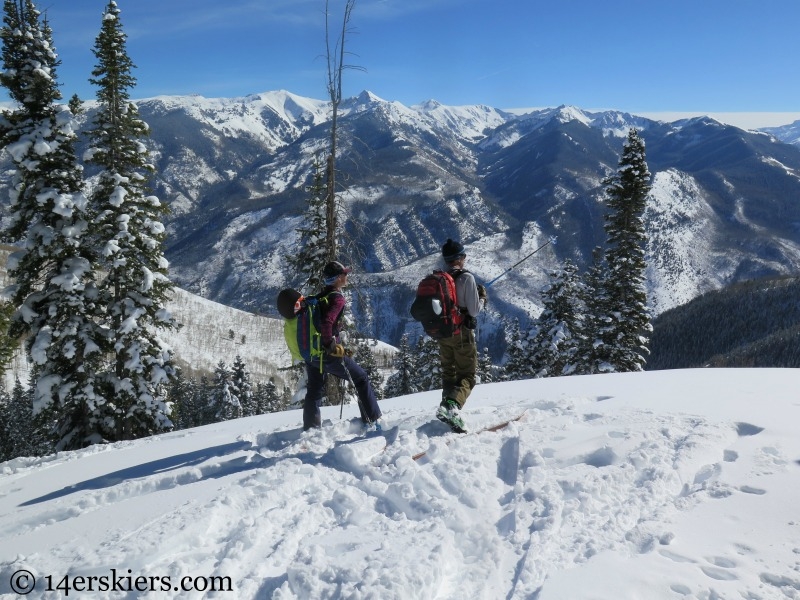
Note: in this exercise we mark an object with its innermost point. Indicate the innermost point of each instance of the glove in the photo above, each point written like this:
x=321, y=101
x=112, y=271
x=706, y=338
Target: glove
x=335, y=350
x=482, y=295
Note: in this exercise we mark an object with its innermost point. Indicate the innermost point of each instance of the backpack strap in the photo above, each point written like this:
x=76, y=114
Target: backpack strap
x=457, y=312
x=455, y=274
x=317, y=305
x=323, y=301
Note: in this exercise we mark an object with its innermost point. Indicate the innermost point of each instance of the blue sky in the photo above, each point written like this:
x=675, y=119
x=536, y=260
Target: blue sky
x=640, y=56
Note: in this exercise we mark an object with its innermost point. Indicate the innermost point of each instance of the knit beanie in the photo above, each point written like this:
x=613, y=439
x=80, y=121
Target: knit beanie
x=452, y=251
x=332, y=271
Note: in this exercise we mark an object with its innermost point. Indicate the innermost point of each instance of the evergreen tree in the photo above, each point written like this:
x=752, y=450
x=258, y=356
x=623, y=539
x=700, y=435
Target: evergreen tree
x=181, y=396
x=270, y=400
x=75, y=105
x=518, y=364
x=5, y=427
x=312, y=253
x=18, y=433
x=21, y=424
x=427, y=365
x=129, y=237
x=487, y=371
x=203, y=392
x=625, y=325
x=558, y=328
x=261, y=401
x=401, y=382
x=242, y=388
x=54, y=290
x=8, y=344
x=44, y=426
x=366, y=359
x=225, y=404
x=591, y=352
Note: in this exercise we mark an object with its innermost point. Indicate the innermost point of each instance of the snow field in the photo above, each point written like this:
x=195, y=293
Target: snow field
x=655, y=485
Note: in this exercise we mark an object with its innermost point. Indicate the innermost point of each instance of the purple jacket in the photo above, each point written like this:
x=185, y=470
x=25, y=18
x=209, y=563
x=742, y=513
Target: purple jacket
x=331, y=313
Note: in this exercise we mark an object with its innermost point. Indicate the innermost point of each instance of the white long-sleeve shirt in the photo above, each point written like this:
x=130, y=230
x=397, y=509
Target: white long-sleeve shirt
x=467, y=294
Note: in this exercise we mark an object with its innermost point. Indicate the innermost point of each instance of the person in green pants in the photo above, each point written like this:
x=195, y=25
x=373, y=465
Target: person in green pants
x=459, y=354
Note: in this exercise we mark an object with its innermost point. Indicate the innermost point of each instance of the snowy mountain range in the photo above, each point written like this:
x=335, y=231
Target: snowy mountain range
x=724, y=205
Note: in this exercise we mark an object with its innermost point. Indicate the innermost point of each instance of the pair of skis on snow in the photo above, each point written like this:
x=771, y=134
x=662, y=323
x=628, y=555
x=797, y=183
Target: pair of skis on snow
x=377, y=444
x=496, y=427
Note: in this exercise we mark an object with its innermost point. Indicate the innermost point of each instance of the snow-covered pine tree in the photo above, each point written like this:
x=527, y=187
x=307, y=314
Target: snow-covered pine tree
x=8, y=344
x=267, y=399
x=558, y=327
x=591, y=352
x=311, y=253
x=242, y=387
x=625, y=326
x=427, y=365
x=181, y=397
x=517, y=365
x=21, y=424
x=224, y=403
x=366, y=359
x=487, y=371
x=53, y=272
x=75, y=105
x=401, y=382
x=18, y=430
x=5, y=428
x=129, y=238
x=203, y=392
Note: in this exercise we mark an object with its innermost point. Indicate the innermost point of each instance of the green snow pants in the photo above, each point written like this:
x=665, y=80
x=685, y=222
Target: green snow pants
x=459, y=359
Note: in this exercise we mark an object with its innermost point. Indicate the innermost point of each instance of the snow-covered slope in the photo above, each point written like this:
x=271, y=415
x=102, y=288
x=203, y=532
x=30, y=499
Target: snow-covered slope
x=657, y=486
x=787, y=133
x=209, y=333
x=680, y=242
x=274, y=118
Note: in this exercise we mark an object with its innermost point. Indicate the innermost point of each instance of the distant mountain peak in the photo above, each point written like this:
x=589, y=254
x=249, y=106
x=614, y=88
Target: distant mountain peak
x=427, y=105
x=366, y=97
x=565, y=114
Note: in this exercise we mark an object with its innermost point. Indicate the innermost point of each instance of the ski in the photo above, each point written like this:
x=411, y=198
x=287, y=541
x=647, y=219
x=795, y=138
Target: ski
x=489, y=428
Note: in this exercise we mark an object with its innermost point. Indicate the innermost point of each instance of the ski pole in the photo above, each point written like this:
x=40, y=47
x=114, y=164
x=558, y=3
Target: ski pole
x=552, y=240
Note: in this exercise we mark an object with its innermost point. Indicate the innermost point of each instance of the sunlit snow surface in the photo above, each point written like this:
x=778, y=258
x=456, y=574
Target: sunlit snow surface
x=670, y=484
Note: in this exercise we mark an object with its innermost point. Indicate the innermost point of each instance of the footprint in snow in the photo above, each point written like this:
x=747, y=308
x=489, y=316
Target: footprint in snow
x=747, y=429
x=718, y=573
x=675, y=557
x=752, y=490
x=722, y=561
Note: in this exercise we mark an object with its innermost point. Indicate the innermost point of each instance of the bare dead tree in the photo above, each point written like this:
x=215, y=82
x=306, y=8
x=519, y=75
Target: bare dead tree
x=335, y=56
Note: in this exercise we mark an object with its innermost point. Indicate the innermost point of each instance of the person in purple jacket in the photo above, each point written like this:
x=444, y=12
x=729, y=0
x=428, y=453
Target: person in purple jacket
x=335, y=361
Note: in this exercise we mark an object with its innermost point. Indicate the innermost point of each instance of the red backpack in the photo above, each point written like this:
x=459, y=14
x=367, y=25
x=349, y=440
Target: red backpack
x=435, y=305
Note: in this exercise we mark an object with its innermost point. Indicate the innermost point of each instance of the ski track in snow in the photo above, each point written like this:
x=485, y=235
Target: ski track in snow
x=289, y=515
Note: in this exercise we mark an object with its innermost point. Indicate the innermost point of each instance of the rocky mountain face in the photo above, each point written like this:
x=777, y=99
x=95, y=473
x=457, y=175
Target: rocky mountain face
x=725, y=203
